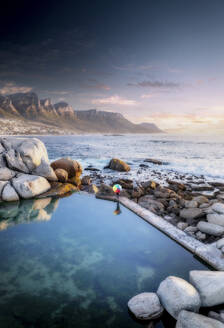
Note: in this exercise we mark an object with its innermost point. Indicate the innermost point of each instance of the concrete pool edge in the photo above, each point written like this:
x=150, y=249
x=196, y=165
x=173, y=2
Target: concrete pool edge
x=208, y=253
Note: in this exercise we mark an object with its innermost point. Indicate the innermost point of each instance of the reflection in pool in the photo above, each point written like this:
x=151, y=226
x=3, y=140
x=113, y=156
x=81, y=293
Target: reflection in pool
x=76, y=264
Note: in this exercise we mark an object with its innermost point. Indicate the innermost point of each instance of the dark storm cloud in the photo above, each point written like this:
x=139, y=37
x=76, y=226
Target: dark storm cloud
x=155, y=84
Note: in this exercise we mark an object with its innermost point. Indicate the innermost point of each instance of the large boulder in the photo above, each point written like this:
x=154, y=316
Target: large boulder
x=27, y=155
x=2, y=185
x=62, y=175
x=9, y=194
x=218, y=207
x=210, y=228
x=151, y=204
x=145, y=306
x=210, y=285
x=188, y=319
x=28, y=186
x=6, y=174
x=176, y=295
x=15, y=161
x=191, y=213
x=216, y=218
x=118, y=165
x=72, y=167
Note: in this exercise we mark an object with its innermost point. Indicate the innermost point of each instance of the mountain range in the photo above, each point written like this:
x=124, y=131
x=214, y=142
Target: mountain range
x=29, y=108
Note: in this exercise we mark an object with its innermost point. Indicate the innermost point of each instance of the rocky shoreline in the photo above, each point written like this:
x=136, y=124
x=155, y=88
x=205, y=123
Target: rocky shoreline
x=195, y=206
x=183, y=300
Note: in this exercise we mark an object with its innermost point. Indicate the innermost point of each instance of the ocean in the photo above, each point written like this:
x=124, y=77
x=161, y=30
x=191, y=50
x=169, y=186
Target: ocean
x=184, y=156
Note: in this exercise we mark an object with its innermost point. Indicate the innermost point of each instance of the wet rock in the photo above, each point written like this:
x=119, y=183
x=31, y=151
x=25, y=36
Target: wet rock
x=182, y=225
x=216, y=218
x=205, y=205
x=76, y=181
x=188, y=319
x=218, y=207
x=62, y=175
x=145, y=306
x=28, y=186
x=201, y=199
x=202, y=187
x=210, y=285
x=72, y=167
x=149, y=184
x=86, y=180
x=216, y=316
x=143, y=166
x=177, y=185
x=191, y=204
x=2, y=184
x=15, y=162
x=125, y=183
x=93, y=189
x=191, y=229
x=200, y=236
x=137, y=192
x=191, y=213
x=151, y=204
x=9, y=194
x=6, y=174
x=210, y=228
x=118, y=165
x=155, y=161
x=45, y=170
x=90, y=168
x=58, y=189
x=220, y=243
x=176, y=295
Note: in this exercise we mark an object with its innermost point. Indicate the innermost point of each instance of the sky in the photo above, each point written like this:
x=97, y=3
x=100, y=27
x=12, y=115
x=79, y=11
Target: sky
x=159, y=61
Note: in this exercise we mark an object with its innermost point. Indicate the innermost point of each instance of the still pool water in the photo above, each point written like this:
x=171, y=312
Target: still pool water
x=72, y=263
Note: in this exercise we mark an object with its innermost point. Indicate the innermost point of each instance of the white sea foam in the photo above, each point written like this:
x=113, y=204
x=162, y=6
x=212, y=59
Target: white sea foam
x=187, y=155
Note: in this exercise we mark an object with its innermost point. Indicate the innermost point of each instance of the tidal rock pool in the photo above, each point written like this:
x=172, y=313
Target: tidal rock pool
x=74, y=263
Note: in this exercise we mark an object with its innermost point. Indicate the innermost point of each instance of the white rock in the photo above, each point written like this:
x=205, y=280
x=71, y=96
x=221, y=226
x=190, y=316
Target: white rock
x=210, y=228
x=216, y=218
x=191, y=229
x=210, y=285
x=176, y=295
x=200, y=235
x=28, y=186
x=9, y=194
x=218, y=207
x=145, y=306
x=188, y=319
x=220, y=243
x=6, y=174
x=15, y=161
x=32, y=152
x=222, y=249
x=2, y=149
x=191, y=213
x=28, y=155
x=2, y=184
x=201, y=199
x=191, y=203
x=182, y=225
x=45, y=170
x=2, y=161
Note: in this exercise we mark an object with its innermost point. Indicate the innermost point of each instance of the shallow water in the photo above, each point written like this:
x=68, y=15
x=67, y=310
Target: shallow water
x=184, y=154
x=73, y=263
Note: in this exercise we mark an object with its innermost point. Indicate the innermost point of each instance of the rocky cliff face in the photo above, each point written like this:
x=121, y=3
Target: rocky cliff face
x=110, y=122
x=27, y=106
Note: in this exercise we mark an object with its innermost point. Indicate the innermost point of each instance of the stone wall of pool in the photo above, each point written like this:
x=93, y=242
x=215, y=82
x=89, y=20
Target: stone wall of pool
x=208, y=253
